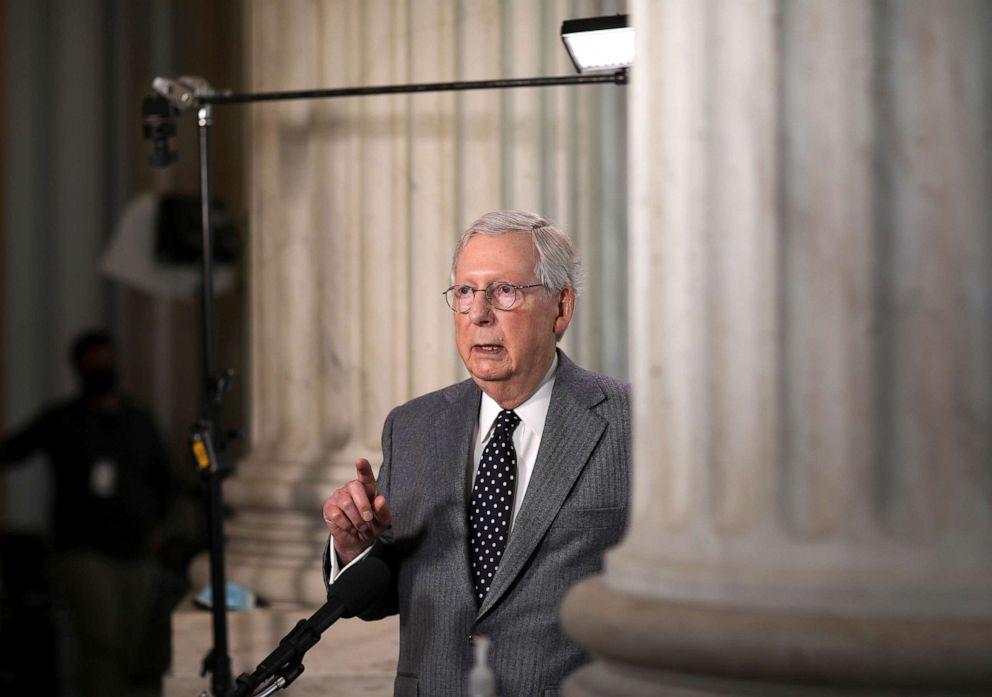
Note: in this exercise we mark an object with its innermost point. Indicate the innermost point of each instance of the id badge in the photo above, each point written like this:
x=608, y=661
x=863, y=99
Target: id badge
x=103, y=478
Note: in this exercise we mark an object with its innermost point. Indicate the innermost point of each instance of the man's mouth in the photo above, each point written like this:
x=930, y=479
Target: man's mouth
x=488, y=348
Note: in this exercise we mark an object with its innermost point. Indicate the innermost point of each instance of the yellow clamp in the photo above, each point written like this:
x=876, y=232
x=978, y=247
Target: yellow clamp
x=200, y=453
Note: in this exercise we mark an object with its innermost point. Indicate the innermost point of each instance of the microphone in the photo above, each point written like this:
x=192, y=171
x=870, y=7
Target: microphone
x=353, y=592
x=158, y=119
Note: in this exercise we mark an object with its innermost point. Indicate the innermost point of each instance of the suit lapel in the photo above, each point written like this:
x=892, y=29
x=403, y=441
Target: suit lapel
x=571, y=432
x=452, y=432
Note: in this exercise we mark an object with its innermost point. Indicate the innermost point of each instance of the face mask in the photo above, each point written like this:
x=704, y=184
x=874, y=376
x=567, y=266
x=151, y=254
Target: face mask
x=99, y=383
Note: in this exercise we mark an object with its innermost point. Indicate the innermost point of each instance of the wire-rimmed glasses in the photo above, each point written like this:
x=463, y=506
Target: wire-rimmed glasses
x=501, y=295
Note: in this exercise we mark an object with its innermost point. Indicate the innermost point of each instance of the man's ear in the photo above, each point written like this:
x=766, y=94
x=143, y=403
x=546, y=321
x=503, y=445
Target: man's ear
x=565, y=305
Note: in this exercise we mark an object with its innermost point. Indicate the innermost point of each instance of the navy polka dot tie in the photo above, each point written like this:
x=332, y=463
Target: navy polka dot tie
x=492, y=503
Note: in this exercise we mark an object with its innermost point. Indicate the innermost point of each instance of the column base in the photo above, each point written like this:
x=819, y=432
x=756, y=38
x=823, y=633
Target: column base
x=275, y=554
x=650, y=646
x=609, y=678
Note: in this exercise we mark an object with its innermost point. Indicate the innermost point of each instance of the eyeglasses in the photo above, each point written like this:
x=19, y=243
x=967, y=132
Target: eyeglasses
x=499, y=294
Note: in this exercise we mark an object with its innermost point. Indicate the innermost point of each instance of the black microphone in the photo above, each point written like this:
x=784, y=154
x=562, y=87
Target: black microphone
x=158, y=120
x=353, y=592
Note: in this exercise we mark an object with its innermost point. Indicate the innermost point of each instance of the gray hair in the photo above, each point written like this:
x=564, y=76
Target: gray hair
x=558, y=263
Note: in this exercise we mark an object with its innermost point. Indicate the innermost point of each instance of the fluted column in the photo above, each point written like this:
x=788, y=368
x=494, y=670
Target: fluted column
x=356, y=206
x=811, y=358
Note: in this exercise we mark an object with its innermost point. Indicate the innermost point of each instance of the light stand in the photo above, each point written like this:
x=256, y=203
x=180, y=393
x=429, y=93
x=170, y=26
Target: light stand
x=208, y=437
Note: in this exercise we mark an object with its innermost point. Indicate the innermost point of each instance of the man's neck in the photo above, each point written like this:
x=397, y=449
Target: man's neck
x=510, y=395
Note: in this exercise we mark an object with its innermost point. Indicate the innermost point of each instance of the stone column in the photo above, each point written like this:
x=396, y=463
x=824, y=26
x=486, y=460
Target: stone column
x=356, y=205
x=811, y=356
x=328, y=327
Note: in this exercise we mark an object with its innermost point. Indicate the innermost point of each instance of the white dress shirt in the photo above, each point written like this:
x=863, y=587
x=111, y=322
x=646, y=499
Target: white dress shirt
x=526, y=436
x=526, y=441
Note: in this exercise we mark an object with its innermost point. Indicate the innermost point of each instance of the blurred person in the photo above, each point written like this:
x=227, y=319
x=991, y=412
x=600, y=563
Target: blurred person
x=112, y=480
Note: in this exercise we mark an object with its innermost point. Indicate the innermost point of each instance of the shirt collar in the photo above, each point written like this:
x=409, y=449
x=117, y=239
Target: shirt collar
x=533, y=412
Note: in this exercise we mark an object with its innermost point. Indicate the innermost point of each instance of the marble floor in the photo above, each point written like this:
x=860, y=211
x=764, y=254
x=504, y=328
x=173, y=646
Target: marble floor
x=358, y=658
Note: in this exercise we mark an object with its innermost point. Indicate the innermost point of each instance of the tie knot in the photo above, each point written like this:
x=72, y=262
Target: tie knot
x=507, y=420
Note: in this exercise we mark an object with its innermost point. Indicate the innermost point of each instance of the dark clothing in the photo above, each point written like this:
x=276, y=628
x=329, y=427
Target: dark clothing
x=112, y=490
x=111, y=474
x=119, y=626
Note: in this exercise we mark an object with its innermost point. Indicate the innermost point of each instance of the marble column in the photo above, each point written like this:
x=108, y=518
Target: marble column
x=811, y=303
x=356, y=205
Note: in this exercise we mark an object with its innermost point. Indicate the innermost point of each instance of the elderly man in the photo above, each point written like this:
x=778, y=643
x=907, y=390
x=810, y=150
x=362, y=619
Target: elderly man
x=496, y=494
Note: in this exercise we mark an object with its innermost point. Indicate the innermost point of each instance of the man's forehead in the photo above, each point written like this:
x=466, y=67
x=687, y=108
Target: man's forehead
x=488, y=253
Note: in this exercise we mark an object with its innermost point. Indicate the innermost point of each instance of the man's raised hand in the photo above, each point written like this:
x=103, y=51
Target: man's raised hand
x=356, y=514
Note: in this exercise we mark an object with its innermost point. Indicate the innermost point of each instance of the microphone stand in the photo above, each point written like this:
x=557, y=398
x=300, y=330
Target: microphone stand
x=208, y=439
x=207, y=435
x=282, y=681
x=281, y=675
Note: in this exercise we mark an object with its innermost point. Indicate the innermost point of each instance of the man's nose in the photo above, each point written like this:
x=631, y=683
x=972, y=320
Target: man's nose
x=481, y=311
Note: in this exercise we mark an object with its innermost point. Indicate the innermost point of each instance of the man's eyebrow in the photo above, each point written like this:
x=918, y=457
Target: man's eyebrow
x=497, y=280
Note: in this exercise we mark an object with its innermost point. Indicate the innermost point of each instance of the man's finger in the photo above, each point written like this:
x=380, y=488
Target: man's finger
x=345, y=517
x=364, y=470
x=382, y=514
x=366, y=477
x=362, y=503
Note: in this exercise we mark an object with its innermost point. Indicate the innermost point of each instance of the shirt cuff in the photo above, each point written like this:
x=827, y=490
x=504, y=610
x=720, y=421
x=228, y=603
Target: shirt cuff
x=336, y=569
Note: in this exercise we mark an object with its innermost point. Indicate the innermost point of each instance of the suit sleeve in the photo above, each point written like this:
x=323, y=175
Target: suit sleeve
x=383, y=548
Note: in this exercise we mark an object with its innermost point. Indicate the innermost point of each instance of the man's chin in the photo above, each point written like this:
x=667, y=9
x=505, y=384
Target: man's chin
x=488, y=370
x=489, y=375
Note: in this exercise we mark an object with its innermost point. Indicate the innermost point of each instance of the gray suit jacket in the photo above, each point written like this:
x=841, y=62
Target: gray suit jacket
x=574, y=508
